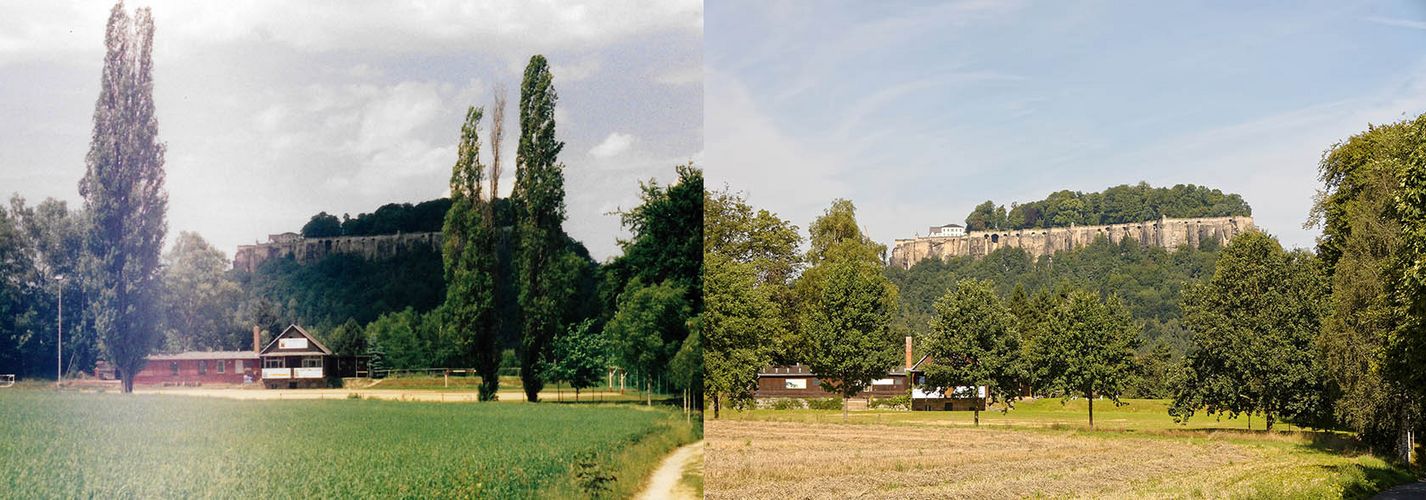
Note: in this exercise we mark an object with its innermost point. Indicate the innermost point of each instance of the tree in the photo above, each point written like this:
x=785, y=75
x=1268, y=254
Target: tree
x=646, y=329
x=834, y=237
x=1088, y=348
x=982, y=217
x=975, y=341
x=767, y=245
x=198, y=297
x=1253, y=325
x=346, y=339
x=468, y=250
x=740, y=313
x=848, y=327
x=497, y=138
x=539, y=212
x=581, y=357
x=123, y=190
x=1406, y=344
x=322, y=225
x=687, y=365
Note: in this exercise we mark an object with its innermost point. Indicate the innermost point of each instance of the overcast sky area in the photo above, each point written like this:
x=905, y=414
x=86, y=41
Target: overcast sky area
x=274, y=111
x=918, y=111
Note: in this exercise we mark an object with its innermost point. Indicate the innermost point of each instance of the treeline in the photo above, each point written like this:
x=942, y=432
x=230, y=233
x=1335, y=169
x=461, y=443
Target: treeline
x=391, y=218
x=1149, y=281
x=1116, y=205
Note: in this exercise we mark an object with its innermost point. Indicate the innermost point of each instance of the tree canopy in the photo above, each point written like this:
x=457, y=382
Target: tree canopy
x=1115, y=205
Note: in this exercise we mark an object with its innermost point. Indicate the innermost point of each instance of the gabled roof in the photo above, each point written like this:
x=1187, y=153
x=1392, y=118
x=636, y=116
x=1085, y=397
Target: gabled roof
x=916, y=367
x=297, y=329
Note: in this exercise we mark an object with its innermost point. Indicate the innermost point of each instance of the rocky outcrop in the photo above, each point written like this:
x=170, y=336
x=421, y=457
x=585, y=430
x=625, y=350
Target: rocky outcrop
x=249, y=257
x=1164, y=233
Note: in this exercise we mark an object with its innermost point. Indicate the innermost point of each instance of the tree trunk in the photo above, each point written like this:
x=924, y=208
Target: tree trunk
x=844, y=409
x=1267, y=415
x=1091, y=409
x=127, y=379
x=648, y=393
x=977, y=416
x=716, y=405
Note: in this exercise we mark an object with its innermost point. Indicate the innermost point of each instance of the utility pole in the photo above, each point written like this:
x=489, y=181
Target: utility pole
x=59, y=337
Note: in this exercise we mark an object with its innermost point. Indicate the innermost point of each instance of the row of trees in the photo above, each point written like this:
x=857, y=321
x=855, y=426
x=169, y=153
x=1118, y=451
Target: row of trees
x=391, y=218
x=1119, y=204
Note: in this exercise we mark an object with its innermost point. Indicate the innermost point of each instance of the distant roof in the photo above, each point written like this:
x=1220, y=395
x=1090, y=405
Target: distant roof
x=203, y=355
x=805, y=371
x=271, y=345
x=951, y=225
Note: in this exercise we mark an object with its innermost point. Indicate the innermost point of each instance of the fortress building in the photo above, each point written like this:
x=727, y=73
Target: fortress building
x=1163, y=233
x=249, y=257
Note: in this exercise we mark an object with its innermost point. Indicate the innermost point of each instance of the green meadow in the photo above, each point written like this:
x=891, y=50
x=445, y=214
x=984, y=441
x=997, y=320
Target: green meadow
x=66, y=444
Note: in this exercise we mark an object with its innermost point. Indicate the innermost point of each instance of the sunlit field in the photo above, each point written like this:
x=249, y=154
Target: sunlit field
x=1040, y=448
x=66, y=444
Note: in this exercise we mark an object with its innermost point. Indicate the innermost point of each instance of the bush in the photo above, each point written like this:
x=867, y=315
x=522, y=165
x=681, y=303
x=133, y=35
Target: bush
x=825, y=403
x=787, y=404
x=902, y=402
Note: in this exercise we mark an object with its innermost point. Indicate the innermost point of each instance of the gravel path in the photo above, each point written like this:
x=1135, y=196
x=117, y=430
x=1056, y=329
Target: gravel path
x=664, y=483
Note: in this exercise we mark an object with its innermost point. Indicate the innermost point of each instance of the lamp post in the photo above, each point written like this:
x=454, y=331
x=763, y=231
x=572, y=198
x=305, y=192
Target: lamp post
x=59, y=336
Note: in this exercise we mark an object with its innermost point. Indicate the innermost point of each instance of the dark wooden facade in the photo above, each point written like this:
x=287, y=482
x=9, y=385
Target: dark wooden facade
x=296, y=359
x=797, y=381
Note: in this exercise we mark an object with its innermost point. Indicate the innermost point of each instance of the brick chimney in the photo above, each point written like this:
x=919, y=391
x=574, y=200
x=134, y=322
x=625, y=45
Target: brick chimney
x=908, y=352
x=257, y=340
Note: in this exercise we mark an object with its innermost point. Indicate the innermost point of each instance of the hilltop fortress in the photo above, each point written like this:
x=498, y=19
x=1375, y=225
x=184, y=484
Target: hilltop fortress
x=249, y=257
x=1163, y=233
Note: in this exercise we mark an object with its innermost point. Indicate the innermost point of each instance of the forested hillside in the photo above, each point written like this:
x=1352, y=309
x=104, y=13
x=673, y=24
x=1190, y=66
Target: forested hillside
x=1149, y=280
x=1116, y=205
x=391, y=218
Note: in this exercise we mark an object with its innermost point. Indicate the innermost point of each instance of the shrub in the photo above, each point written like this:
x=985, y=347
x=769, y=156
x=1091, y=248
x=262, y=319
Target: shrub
x=901, y=402
x=787, y=404
x=824, y=403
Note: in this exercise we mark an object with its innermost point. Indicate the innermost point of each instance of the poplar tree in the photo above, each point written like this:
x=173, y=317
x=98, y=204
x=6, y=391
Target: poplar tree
x=123, y=190
x=469, y=256
x=538, y=199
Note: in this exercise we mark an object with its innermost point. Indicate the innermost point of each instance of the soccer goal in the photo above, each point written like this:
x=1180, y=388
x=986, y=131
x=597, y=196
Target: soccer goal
x=7, y=379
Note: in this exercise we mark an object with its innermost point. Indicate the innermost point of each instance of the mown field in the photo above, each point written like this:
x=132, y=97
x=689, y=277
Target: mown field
x=1039, y=449
x=63, y=444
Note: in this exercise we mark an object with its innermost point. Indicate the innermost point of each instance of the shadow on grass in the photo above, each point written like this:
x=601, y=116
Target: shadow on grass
x=1363, y=481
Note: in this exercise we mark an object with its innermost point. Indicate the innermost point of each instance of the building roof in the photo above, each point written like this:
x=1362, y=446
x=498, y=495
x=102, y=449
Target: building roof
x=196, y=355
x=951, y=225
x=800, y=370
x=272, y=349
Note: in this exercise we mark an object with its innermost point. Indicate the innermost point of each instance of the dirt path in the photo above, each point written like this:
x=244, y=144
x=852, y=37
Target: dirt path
x=664, y=483
x=1403, y=492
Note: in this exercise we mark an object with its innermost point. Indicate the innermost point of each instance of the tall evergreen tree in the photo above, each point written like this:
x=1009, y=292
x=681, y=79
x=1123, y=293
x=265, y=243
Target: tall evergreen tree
x=539, y=215
x=469, y=254
x=123, y=190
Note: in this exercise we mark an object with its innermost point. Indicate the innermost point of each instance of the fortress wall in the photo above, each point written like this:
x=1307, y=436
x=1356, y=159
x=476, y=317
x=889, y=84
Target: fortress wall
x=249, y=257
x=1164, y=233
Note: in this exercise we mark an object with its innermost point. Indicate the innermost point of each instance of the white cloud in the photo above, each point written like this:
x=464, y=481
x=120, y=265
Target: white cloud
x=1400, y=23
x=614, y=145
x=681, y=76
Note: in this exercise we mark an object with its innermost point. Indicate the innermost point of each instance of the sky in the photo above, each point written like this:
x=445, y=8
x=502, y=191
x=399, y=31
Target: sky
x=274, y=111
x=918, y=111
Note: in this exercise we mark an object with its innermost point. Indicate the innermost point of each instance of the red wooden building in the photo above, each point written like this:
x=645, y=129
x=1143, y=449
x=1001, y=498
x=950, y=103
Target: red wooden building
x=199, y=367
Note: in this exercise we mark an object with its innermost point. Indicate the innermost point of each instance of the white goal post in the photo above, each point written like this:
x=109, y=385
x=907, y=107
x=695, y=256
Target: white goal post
x=7, y=379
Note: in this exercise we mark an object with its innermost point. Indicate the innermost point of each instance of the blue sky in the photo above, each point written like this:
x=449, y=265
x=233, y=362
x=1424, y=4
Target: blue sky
x=918, y=111
x=273, y=111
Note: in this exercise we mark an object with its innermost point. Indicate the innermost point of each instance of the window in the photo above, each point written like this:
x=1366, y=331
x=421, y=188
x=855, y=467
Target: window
x=222, y=366
x=311, y=362
x=173, y=368
x=883, y=381
x=795, y=383
x=273, y=363
x=202, y=367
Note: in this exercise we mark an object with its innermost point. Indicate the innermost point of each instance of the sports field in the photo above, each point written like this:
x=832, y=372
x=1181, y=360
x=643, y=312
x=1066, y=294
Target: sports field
x=68, y=444
x=1039, y=449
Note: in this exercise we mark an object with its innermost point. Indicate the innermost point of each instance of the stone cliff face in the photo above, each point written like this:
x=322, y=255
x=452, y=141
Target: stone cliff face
x=249, y=257
x=1164, y=233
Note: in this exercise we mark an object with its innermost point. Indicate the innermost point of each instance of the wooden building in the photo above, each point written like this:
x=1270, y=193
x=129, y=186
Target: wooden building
x=199, y=367
x=960, y=398
x=798, y=381
x=295, y=359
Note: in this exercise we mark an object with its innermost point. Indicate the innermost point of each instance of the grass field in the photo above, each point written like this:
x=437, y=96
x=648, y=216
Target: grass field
x=65, y=444
x=1039, y=449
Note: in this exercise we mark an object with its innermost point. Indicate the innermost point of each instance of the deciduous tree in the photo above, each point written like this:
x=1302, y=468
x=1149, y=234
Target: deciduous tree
x=975, y=341
x=847, y=325
x=1087, y=349
x=468, y=250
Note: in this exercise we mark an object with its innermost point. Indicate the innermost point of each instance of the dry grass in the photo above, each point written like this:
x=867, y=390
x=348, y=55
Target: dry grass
x=769, y=459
